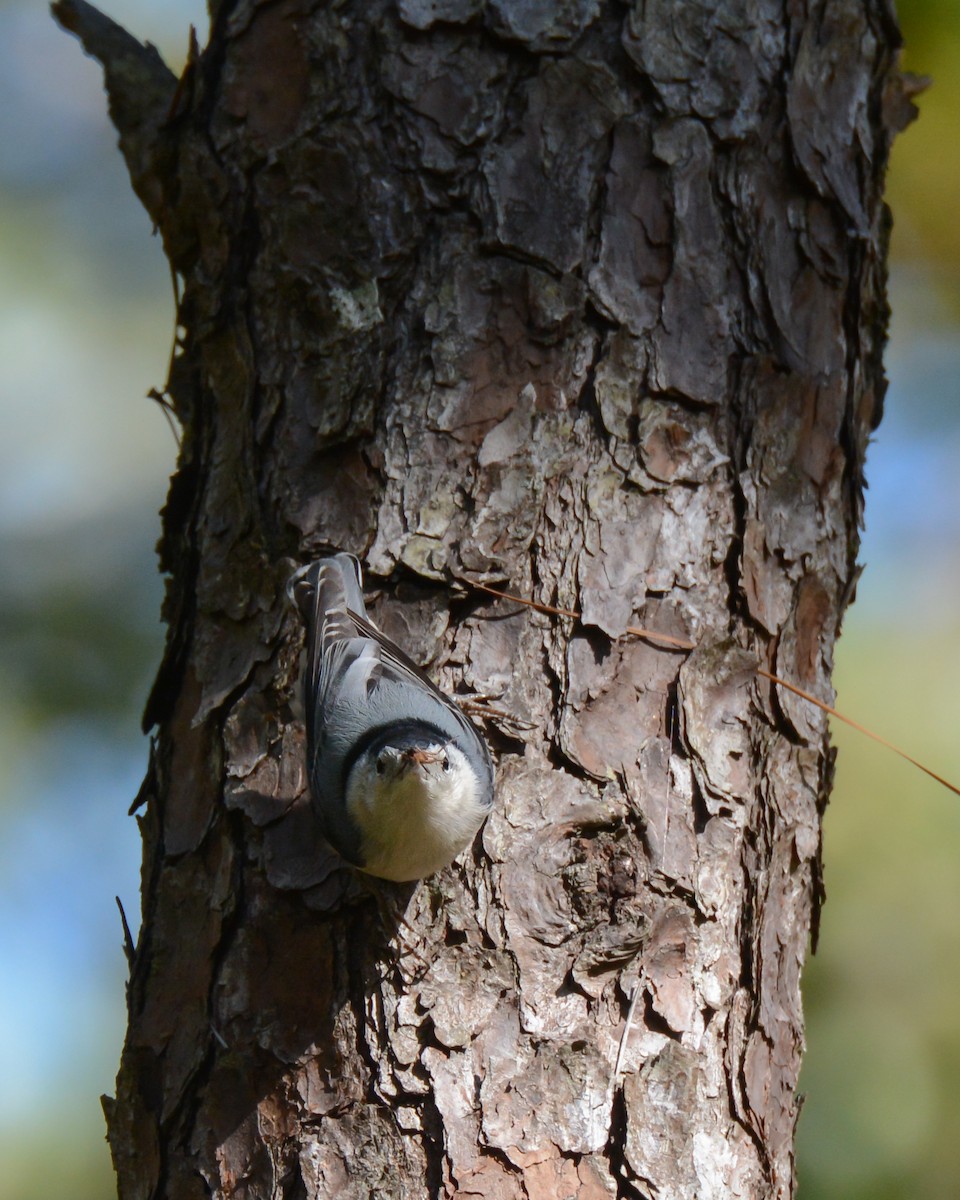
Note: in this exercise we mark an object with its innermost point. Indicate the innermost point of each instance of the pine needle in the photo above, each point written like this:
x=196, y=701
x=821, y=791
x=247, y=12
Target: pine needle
x=671, y=642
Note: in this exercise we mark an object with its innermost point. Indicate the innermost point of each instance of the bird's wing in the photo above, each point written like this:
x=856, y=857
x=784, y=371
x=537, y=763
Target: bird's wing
x=348, y=658
x=335, y=653
x=397, y=665
x=394, y=659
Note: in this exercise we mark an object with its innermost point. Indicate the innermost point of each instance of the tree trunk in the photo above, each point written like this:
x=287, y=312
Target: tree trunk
x=585, y=300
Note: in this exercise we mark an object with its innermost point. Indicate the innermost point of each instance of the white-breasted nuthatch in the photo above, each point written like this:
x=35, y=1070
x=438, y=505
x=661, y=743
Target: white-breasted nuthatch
x=400, y=779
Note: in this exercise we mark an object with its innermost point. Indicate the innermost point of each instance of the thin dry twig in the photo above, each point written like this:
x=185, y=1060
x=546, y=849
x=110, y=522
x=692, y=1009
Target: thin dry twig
x=671, y=642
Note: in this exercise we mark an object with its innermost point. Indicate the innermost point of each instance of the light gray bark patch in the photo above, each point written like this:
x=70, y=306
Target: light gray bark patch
x=329, y=1165
x=502, y=527
x=331, y=497
x=508, y=439
x=416, y=619
x=715, y=694
x=608, y=713
x=804, y=655
x=555, y=156
x=503, y=530
x=453, y=1089
x=461, y=993
x=694, y=521
x=541, y=25
x=558, y=1098
x=713, y=62
x=534, y=848
x=423, y=14
x=792, y=488
x=668, y=827
x=617, y=382
x=635, y=241
x=489, y=649
x=505, y=386
x=804, y=296
x=536, y=835
x=534, y=889
x=662, y=1103
x=675, y=445
x=623, y=530
x=718, y=883
x=828, y=99
x=483, y=357
x=608, y=951
x=692, y=345
x=669, y=958
x=450, y=82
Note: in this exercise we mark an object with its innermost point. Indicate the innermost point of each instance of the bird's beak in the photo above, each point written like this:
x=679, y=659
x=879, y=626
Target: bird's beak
x=418, y=758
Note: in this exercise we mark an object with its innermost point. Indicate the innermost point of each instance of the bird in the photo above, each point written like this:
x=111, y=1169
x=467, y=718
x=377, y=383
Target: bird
x=399, y=777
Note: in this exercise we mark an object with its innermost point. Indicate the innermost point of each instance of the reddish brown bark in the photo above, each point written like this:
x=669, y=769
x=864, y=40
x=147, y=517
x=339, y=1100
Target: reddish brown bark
x=585, y=298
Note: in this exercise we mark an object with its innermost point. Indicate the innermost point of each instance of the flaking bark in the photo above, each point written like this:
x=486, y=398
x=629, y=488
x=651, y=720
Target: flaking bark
x=587, y=299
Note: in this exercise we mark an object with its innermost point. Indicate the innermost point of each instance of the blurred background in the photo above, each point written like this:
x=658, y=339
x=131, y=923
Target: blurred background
x=86, y=320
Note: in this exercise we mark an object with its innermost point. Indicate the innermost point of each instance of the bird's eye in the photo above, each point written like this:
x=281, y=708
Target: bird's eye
x=445, y=763
x=381, y=766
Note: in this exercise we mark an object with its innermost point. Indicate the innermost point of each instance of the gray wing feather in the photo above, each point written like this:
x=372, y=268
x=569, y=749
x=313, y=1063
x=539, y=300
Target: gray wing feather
x=325, y=591
x=401, y=667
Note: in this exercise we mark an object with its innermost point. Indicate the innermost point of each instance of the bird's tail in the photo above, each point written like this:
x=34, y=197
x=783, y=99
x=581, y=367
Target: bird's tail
x=326, y=592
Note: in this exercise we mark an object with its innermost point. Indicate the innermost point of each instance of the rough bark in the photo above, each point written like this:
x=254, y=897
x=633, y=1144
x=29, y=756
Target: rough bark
x=588, y=299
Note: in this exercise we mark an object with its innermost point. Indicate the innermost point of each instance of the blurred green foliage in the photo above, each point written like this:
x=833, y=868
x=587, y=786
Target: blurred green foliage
x=883, y=1043
x=923, y=187
x=76, y=646
x=80, y=1168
